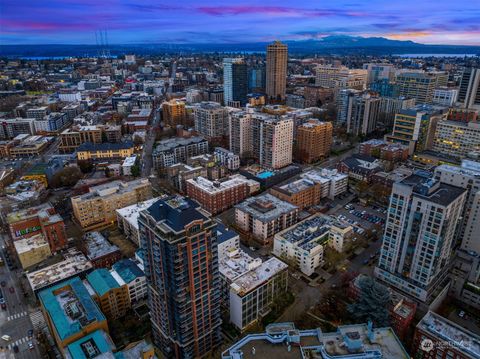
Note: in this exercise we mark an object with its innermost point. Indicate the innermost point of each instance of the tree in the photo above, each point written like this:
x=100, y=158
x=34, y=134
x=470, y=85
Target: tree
x=67, y=176
x=372, y=303
x=135, y=170
x=86, y=166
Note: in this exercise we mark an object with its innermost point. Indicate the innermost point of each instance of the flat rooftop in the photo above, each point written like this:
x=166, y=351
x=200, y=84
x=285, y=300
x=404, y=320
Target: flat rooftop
x=30, y=244
x=266, y=207
x=307, y=233
x=70, y=307
x=73, y=264
x=97, y=245
x=284, y=341
x=213, y=187
x=464, y=340
x=324, y=175
x=175, y=142
x=257, y=275
x=102, y=281
x=112, y=188
x=131, y=213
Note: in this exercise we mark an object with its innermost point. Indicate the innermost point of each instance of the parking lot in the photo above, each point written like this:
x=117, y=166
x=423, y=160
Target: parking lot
x=362, y=218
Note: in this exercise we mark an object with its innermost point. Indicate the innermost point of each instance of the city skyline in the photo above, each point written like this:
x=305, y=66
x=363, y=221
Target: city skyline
x=127, y=22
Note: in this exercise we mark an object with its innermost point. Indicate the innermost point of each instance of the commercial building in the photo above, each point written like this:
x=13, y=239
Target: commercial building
x=457, y=138
x=379, y=71
x=276, y=71
x=235, y=82
x=304, y=243
x=127, y=219
x=174, y=113
x=184, y=291
x=99, y=251
x=102, y=151
x=74, y=264
x=11, y=128
x=416, y=127
x=419, y=233
x=438, y=337
x=265, y=215
x=217, y=196
x=313, y=141
x=175, y=150
x=72, y=138
x=127, y=272
x=469, y=92
x=249, y=286
x=70, y=311
x=211, y=121
x=97, y=207
x=111, y=297
x=227, y=158
x=445, y=96
x=284, y=340
x=331, y=181
x=41, y=219
x=340, y=77
x=390, y=106
x=32, y=250
x=302, y=193
x=418, y=85
x=29, y=146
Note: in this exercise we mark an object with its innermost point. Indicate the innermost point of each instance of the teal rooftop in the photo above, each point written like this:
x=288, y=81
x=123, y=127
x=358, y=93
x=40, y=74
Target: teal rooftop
x=102, y=281
x=70, y=307
x=127, y=270
x=90, y=346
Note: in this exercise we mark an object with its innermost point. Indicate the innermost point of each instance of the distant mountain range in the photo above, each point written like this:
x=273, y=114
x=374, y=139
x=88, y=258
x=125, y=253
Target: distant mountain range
x=330, y=45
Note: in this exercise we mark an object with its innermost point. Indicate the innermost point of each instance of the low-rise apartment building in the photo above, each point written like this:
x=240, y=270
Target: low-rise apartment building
x=96, y=208
x=102, y=151
x=264, y=216
x=127, y=219
x=127, y=272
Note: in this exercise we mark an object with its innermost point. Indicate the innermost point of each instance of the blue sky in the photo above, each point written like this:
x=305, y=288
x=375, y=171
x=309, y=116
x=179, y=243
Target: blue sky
x=187, y=21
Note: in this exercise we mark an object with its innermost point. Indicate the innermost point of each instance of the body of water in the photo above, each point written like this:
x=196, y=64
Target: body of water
x=436, y=55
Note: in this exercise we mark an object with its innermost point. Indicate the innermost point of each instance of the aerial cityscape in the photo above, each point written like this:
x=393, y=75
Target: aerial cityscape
x=239, y=180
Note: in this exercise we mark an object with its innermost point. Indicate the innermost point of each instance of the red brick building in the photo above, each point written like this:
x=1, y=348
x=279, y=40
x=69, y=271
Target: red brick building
x=40, y=219
x=393, y=152
x=217, y=196
x=100, y=251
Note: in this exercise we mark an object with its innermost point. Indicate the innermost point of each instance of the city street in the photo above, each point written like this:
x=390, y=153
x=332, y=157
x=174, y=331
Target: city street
x=15, y=320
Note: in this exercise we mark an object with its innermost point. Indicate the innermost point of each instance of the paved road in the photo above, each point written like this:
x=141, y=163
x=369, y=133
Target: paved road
x=146, y=160
x=15, y=321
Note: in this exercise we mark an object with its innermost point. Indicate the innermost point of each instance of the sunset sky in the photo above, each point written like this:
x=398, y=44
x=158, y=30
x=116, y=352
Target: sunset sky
x=188, y=21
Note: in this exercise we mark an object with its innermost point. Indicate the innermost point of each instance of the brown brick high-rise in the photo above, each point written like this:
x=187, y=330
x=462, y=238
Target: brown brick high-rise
x=314, y=141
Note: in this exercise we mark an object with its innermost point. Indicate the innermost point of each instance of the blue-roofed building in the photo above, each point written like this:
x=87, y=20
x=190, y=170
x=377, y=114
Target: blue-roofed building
x=181, y=266
x=70, y=311
x=228, y=240
x=111, y=296
x=91, y=346
x=127, y=272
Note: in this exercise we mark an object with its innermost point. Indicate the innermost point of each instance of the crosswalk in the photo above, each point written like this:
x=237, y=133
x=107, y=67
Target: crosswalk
x=18, y=342
x=38, y=320
x=16, y=316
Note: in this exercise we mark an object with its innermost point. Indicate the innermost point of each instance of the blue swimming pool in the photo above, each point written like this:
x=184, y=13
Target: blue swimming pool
x=266, y=174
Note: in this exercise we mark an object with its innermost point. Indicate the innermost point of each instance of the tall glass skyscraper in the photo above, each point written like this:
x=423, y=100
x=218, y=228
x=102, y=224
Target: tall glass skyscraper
x=235, y=82
x=181, y=266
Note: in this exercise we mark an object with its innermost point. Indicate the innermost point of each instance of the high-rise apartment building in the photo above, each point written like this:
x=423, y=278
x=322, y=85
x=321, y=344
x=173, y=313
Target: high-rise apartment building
x=469, y=92
x=358, y=111
x=181, y=266
x=256, y=78
x=174, y=113
x=390, y=106
x=276, y=74
x=467, y=176
x=235, y=82
x=211, y=121
x=313, y=140
x=265, y=137
x=419, y=234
